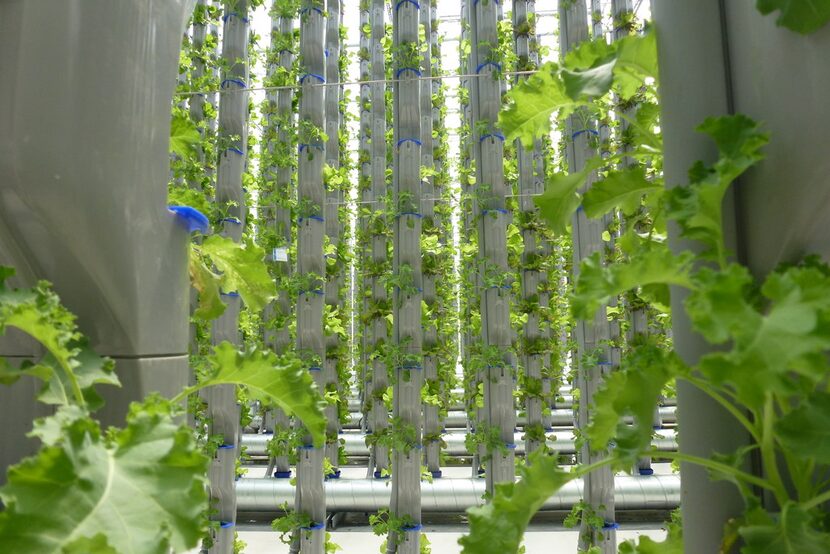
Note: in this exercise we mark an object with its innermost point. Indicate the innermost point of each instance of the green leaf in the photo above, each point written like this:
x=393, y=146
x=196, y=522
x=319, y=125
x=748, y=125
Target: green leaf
x=588, y=83
x=801, y=16
x=619, y=189
x=531, y=103
x=646, y=545
x=243, y=270
x=207, y=284
x=275, y=380
x=561, y=199
x=656, y=265
x=636, y=60
x=697, y=208
x=139, y=489
x=805, y=431
x=773, y=339
x=634, y=389
x=499, y=525
x=184, y=135
x=70, y=369
x=795, y=532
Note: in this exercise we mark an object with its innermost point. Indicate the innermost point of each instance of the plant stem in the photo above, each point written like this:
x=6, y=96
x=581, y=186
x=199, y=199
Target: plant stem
x=729, y=406
x=815, y=501
x=768, y=457
x=712, y=465
x=186, y=392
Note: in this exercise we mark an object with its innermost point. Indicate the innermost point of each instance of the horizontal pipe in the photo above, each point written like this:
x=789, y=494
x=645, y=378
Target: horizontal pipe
x=355, y=443
x=559, y=418
x=653, y=492
x=564, y=401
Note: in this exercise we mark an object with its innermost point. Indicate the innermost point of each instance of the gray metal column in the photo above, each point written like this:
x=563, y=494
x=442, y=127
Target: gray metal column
x=432, y=426
x=376, y=324
x=278, y=142
x=536, y=358
x=492, y=217
x=406, y=266
x=715, y=58
x=222, y=409
x=310, y=497
x=592, y=336
x=334, y=227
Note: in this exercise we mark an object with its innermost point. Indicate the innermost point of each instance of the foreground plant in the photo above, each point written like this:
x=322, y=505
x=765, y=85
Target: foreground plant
x=140, y=488
x=770, y=370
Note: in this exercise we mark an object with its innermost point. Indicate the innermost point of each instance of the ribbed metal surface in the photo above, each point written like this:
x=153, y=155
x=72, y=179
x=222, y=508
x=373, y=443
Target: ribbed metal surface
x=653, y=492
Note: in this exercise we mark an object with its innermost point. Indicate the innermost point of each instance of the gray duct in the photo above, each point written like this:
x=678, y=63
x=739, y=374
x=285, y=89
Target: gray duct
x=83, y=201
x=655, y=492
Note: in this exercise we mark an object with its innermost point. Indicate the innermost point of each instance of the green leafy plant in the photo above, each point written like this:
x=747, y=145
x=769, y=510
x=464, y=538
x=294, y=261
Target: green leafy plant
x=150, y=473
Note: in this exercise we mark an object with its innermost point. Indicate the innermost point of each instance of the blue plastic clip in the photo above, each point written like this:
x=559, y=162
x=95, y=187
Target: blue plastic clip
x=410, y=366
x=191, y=218
x=235, y=150
x=379, y=475
x=315, y=368
x=646, y=471
x=239, y=82
x=318, y=10
x=608, y=525
x=413, y=2
x=226, y=524
x=304, y=146
x=411, y=528
x=226, y=446
x=485, y=64
x=488, y=135
x=314, y=526
x=581, y=131
x=412, y=69
x=233, y=14
x=282, y=474
x=317, y=76
x=412, y=140
x=497, y=210
x=234, y=220
x=232, y=294
x=414, y=214
x=334, y=475
x=313, y=218
x=436, y=474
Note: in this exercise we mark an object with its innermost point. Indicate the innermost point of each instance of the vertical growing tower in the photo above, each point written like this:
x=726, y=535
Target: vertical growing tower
x=310, y=496
x=408, y=282
x=593, y=356
x=499, y=416
x=223, y=410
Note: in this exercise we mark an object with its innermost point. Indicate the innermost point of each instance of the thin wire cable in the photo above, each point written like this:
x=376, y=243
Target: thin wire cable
x=347, y=83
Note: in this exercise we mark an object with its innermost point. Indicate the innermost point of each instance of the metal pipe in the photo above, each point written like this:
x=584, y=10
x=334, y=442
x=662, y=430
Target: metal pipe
x=562, y=441
x=559, y=418
x=654, y=492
